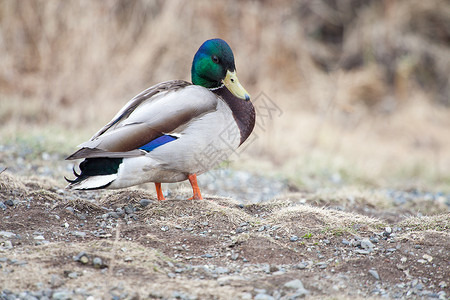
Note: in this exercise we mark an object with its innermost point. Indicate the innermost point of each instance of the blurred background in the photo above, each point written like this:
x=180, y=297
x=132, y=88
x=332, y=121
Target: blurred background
x=349, y=92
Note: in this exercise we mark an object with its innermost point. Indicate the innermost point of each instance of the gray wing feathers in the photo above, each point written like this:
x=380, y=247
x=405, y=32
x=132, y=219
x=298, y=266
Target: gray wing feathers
x=165, y=108
x=138, y=99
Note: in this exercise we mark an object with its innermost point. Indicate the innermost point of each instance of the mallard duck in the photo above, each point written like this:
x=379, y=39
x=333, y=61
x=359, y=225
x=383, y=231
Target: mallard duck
x=172, y=131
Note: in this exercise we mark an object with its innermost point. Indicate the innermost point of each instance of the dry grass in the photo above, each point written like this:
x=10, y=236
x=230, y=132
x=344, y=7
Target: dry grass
x=363, y=85
x=439, y=222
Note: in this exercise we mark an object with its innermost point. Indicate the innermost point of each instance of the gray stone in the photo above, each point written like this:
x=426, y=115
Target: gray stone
x=145, y=202
x=7, y=234
x=387, y=231
x=62, y=295
x=263, y=297
x=374, y=240
x=81, y=257
x=7, y=245
x=129, y=209
x=302, y=265
x=222, y=270
x=294, y=284
x=97, y=262
x=56, y=281
x=374, y=273
x=293, y=238
x=79, y=233
x=113, y=214
x=367, y=245
x=240, y=229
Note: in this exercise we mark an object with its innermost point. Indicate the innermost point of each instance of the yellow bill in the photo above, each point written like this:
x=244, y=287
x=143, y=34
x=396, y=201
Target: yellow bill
x=232, y=83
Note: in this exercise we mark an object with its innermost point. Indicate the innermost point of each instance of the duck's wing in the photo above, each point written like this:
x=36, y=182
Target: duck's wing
x=164, y=109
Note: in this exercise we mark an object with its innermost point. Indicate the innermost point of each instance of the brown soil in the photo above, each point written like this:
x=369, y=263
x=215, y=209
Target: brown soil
x=211, y=249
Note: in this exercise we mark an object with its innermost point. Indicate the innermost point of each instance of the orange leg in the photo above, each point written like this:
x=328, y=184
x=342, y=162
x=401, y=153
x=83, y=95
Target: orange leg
x=159, y=192
x=193, y=180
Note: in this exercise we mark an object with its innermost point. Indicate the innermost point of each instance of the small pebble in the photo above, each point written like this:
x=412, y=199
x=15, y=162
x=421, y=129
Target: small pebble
x=367, y=245
x=62, y=295
x=387, y=231
x=374, y=240
x=129, y=209
x=79, y=233
x=7, y=245
x=3, y=206
x=293, y=238
x=294, y=284
x=322, y=265
x=9, y=202
x=56, y=281
x=428, y=257
x=145, y=202
x=240, y=229
x=221, y=270
x=263, y=297
x=97, y=262
x=81, y=257
x=374, y=273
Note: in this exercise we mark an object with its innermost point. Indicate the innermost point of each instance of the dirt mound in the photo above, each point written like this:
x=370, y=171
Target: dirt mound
x=125, y=244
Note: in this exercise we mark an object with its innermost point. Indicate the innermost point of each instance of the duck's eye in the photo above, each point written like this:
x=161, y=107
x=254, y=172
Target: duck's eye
x=215, y=59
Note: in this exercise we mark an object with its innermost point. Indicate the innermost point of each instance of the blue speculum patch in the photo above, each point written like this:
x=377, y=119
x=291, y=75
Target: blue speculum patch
x=164, y=139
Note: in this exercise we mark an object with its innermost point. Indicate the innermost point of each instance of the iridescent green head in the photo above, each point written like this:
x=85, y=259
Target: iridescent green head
x=213, y=66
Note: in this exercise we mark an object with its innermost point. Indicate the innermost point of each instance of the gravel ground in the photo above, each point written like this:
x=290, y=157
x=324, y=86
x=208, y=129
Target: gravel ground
x=271, y=242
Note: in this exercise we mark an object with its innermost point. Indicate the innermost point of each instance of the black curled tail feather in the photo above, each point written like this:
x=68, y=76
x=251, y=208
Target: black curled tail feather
x=95, y=167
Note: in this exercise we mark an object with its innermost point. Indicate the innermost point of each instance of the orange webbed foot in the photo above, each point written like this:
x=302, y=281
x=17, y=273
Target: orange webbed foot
x=159, y=192
x=193, y=180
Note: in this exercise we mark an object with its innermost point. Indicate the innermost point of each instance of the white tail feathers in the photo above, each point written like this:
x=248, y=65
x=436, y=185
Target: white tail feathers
x=94, y=182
